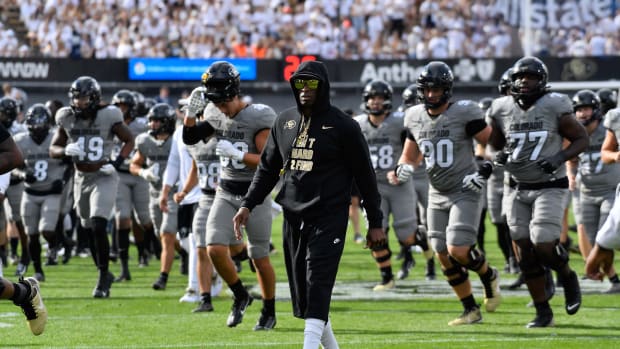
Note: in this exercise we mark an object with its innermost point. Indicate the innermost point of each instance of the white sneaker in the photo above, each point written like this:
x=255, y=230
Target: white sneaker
x=190, y=296
x=216, y=285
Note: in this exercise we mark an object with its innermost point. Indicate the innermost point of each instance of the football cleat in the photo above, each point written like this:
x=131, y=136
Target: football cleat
x=160, y=284
x=572, y=293
x=238, y=310
x=33, y=308
x=492, y=296
x=190, y=296
x=265, y=322
x=614, y=288
x=39, y=276
x=203, y=307
x=102, y=289
x=517, y=283
x=541, y=320
x=385, y=286
x=358, y=238
x=21, y=269
x=403, y=273
x=430, y=269
x=470, y=316
x=125, y=276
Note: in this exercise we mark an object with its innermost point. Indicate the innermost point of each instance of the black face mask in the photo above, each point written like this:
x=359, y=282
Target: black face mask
x=39, y=134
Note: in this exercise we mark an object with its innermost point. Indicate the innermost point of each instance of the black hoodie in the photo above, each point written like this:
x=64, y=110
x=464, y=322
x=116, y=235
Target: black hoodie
x=318, y=176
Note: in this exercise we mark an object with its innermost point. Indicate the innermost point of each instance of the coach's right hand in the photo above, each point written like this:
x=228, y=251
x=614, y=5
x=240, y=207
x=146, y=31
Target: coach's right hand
x=239, y=221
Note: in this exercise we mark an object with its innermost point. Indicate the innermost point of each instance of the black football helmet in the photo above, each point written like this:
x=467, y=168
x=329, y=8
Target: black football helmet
x=222, y=82
x=127, y=98
x=8, y=111
x=609, y=99
x=485, y=103
x=528, y=65
x=146, y=106
x=378, y=88
x=435, y=74
x=587, y=98
x=166, y=115
x=410, y=97
x=504, y=82
x=85, y=86
x=39, y=122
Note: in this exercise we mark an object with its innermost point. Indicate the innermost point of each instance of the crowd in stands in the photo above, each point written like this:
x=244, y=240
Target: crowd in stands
x=351, y=29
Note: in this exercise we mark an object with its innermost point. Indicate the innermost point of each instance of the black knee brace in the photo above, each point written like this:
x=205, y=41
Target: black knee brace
x=476, y=259
x=385, y=257
x=553, y=255
x=529, y=264
x=241, y=256
x=456, y=275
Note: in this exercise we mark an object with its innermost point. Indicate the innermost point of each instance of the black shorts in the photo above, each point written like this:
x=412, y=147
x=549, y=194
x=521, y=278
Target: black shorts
x=312, y=251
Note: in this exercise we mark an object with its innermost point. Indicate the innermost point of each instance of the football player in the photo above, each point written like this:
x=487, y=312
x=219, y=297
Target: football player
x=85, y=133
x=205, y=173
x=132, y=196
x=598, y=180
x=149, y=162
x=420, y=184
x=530, y=131
x=609, y=99
x=40, y=204
x=9, y=110
x=241, y=130
x=443, y=132
x=384, y=131
x=25, y=293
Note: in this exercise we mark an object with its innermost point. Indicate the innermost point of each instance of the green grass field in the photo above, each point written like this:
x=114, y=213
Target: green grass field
x=414, y=315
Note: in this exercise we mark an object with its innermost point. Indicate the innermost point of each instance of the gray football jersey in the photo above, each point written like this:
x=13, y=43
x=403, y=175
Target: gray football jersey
x=447, y=149
x=38, y=161
x=156, y=154
x=612, y=122
x=136, y=126
x=532, y=134
x=240, y=131
x=95, y=136
x=207, y=162
x=597, y=179
x=384, y=142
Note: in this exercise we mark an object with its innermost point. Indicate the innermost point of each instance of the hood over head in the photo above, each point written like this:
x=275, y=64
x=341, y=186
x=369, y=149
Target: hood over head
x=313, y=70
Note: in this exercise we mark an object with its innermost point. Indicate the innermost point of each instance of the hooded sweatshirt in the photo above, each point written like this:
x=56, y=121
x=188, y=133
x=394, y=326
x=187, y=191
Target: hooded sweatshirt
x=317, y=174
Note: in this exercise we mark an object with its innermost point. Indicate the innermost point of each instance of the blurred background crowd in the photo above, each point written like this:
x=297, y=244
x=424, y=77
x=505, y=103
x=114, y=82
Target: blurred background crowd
x=346, y=29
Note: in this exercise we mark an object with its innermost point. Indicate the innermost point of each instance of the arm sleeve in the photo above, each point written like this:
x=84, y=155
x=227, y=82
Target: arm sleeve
x=4, y=134
x=475, y=126
x=364, y=176
x=193, y=135
x=267, y=174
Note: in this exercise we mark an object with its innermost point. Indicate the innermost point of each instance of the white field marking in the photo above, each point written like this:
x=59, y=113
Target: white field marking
x=5, y=325
x=9, y=314
x=421, y=289
x=382, y=341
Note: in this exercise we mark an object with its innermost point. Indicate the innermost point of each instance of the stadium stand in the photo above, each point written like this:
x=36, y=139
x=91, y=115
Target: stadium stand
x=350, y=29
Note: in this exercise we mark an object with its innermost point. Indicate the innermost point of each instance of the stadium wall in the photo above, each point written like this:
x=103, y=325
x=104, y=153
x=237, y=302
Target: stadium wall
x=266, y=80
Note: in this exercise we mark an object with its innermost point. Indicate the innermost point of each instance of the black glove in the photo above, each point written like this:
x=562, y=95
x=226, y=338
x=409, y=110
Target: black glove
x=117, y=162
x=500, y=159
x=29, y=177
x=552, y=163
x=57, y=186
x=485, y=169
